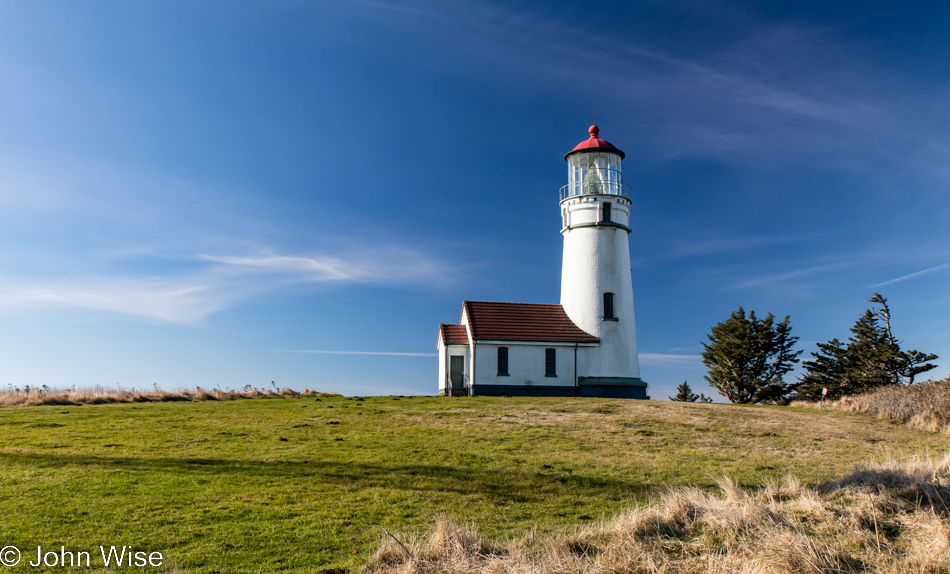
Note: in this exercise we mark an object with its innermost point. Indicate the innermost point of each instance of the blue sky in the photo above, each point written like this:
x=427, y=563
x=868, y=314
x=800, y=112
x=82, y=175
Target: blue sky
x=230, y=193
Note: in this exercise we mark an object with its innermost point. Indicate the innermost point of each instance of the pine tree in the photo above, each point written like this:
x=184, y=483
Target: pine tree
x=748, y=358
x=826, y=371
x=872, y=358
x=909, y=364
x=914, y=363
x=684, y=394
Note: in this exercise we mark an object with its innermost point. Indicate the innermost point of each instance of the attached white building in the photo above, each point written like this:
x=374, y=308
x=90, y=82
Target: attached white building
x=587, y=345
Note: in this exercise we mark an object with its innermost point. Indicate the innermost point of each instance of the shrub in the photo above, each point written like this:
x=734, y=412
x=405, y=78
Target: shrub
x=101, y=395
x=924, y=405
x=887, y=517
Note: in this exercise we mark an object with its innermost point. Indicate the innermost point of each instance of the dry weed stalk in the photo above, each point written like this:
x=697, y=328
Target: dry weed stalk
x=890, y=517
x=101, y=395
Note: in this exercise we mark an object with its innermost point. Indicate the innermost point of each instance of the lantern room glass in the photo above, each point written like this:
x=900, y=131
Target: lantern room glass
x=593, y=173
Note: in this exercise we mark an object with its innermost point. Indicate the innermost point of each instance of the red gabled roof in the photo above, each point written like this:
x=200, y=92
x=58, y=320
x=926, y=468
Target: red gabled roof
x=593, y=143
x=523, y=322
x=453, y=334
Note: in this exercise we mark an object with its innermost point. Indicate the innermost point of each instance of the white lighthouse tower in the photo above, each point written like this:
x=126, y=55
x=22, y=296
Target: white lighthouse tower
x=587, y=345
x=596, y=284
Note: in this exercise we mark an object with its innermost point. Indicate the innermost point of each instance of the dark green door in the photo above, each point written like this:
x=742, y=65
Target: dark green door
x=456, y=369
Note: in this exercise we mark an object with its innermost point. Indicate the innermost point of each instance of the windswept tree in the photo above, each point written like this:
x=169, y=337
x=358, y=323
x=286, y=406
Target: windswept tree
x=684, y=394
x=871, y=358
x=748, y=358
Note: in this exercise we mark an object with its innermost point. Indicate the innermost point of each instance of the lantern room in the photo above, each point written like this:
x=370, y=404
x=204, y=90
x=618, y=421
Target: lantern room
x=594, y=168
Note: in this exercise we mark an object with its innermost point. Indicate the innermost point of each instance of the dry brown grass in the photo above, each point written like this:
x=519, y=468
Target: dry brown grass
x=100, y=395
x=924, y=405
x=890, y=518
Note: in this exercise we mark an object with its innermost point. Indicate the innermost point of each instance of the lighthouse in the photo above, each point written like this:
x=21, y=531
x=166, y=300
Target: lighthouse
x=586, y=346
x=596, y=284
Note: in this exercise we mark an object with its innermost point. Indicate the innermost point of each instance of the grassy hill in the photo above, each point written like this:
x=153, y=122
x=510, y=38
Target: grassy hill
x=297, y=484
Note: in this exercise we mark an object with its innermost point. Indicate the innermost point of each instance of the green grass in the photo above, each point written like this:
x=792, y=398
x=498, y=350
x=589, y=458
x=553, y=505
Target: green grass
x=295, y=485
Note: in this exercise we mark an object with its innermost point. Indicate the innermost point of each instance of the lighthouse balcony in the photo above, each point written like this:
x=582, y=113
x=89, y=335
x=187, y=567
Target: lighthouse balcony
x=595, y=181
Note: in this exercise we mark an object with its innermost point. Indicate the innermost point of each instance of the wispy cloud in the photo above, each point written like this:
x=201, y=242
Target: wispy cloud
x=380, y=353
x=788, y=275
x=318, y=268
x=221, y=283
x=173, y=300
x=769, y=93
x=694, y=246
x=368, y=264
x=914, y=275
x=684, y=247
x=668, y=359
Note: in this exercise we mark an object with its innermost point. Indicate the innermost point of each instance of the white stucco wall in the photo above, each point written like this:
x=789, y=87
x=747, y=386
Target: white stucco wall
x=526, y=362
x=582, y=209
x=443, y=365
x=596, y=260
x=471, y=361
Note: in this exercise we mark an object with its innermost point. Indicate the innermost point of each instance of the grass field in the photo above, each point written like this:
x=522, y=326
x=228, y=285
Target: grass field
x=297, y=484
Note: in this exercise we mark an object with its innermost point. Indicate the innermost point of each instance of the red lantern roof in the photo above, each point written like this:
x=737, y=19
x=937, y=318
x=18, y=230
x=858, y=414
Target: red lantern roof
x=594, y=143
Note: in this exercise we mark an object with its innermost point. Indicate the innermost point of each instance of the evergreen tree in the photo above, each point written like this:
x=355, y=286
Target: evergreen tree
x=684, y=394
x=914, y=363
x=827, y=371
x=908, y=364
x=872, y=358
x=748, y=358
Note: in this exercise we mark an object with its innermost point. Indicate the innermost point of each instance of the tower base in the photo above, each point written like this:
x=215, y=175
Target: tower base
x=613, y=387
x=606, y=387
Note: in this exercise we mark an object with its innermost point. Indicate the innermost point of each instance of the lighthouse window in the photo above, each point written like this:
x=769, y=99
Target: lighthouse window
x=502, y=361
x=609, y=306
x=550, y=362
x=594, y=179
x=605, y=212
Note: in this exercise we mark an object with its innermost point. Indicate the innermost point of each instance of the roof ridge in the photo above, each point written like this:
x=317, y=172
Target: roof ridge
x=516, y=303
x=466, y=311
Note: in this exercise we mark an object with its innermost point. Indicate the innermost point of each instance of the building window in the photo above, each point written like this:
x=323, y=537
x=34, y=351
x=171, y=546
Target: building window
x=502, y=361
x=609, y=307
x=605, y=212
x=550, y=363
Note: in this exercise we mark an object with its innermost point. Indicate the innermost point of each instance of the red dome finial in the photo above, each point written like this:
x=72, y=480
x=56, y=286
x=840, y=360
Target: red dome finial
x=594, y=143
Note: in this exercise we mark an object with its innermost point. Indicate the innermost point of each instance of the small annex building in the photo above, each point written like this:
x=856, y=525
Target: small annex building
x=504, y=346
x=584, y=346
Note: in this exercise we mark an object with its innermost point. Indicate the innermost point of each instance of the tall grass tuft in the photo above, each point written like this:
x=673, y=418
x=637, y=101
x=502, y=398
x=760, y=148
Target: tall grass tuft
x=924, y=405
x=890, y=517
x=100, y=395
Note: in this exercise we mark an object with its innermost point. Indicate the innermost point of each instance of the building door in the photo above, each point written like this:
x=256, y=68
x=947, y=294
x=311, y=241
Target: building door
x=456, y=370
